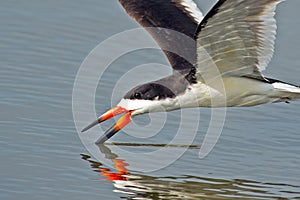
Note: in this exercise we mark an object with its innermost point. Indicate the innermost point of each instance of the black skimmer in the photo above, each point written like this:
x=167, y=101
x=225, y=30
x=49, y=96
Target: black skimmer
x=238, y=36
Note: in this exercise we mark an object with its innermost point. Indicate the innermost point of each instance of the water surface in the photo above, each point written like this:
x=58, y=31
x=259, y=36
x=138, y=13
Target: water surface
x=43, y=43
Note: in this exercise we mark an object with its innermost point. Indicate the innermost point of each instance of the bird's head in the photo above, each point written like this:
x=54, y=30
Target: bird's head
x=149, y=97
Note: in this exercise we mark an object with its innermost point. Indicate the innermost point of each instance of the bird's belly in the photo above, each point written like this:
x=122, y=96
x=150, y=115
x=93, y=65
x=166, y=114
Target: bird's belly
x=229, y=92
x=235, y=92
x=247, y=92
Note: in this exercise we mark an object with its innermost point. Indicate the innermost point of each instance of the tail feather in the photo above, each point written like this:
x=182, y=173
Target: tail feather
x=290, y=92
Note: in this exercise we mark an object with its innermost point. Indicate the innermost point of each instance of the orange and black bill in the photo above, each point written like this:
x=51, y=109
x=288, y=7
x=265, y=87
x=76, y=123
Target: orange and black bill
x=123, y=121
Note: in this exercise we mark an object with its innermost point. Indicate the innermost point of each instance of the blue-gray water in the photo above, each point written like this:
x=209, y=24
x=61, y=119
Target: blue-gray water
x=43, y=43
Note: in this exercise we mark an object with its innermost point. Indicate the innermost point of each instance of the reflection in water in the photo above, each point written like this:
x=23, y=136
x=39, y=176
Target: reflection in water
x=138, y=186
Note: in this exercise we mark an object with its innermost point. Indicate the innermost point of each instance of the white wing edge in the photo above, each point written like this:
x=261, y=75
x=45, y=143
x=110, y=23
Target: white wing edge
x=192, y=8
x=268, y=36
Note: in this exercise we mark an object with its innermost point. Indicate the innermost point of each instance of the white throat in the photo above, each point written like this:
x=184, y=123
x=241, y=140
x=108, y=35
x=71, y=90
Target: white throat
x=141, y=106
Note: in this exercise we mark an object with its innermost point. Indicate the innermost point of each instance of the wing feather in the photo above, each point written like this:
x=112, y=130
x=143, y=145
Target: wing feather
x=238, y=36
x=178, y=15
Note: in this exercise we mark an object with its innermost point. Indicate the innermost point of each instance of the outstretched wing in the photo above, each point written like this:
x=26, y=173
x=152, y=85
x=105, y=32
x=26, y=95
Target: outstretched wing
x=238, y=36
x=178, y=15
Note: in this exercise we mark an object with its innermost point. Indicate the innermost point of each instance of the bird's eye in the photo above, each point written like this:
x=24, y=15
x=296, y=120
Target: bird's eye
x=137, y=95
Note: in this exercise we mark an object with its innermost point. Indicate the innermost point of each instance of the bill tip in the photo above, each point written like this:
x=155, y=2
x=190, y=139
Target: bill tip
x=85, y=129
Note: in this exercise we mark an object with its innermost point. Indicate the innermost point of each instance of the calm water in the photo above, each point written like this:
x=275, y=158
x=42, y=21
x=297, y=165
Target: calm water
x=42, y=45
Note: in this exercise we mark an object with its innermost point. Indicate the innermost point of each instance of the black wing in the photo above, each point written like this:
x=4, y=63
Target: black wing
x=179, y=15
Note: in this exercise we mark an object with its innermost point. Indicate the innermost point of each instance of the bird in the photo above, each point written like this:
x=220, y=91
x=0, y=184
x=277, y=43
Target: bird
x=220, y=65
